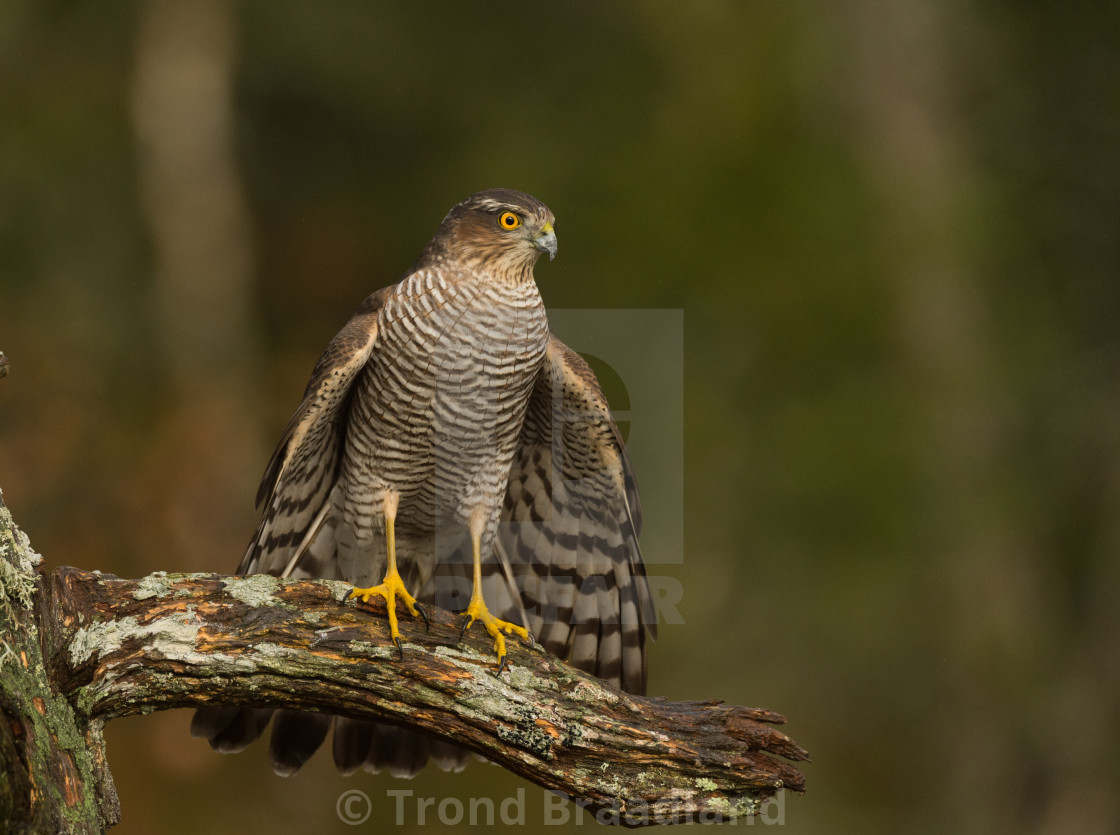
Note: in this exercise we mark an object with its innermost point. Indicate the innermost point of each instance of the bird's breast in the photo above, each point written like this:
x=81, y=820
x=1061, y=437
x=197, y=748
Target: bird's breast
x=441, y=402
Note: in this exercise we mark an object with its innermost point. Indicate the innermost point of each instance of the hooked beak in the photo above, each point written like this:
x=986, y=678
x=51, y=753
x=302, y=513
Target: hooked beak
x=546, y=241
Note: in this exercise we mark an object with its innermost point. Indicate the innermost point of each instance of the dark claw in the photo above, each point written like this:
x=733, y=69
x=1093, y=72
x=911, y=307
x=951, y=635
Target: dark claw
x=532, y=642
x=503, y=665
x=463, y=629
x=424, y=615
x=400, y=647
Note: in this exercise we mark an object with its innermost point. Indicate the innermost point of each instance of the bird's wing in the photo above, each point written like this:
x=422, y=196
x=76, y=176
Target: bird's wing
x=570, y=527
x=302, y=471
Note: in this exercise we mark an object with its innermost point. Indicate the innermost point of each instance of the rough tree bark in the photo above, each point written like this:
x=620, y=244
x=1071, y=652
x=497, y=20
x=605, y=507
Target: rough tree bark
x=81, y=647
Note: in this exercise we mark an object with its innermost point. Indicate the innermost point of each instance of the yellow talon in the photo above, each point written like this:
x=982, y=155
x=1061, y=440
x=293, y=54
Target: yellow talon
x=495, y=626
x=392, y=586
x=477, y=610
x=390, y=589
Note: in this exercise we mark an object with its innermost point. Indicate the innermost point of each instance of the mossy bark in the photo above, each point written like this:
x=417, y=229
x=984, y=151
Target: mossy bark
x=52, y=765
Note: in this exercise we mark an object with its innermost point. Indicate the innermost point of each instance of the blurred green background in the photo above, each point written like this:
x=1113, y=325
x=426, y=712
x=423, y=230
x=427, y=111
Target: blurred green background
x=894, y=233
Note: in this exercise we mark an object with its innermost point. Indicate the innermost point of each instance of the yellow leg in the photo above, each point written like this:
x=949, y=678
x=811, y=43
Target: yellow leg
x=476, y=610
x=392, y=586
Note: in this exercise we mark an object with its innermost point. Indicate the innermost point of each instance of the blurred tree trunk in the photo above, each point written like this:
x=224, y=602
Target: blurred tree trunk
x=200, y=229
x=192, y=196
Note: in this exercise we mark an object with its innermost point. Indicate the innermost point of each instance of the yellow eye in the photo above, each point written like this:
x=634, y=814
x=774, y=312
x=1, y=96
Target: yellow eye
x=509, y=220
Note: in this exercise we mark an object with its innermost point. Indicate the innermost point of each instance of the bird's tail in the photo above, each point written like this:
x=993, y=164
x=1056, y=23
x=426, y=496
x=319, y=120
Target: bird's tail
x=296, y=735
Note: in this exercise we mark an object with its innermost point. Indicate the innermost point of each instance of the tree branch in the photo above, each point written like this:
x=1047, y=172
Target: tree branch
x=121, y=647
x=78, y=648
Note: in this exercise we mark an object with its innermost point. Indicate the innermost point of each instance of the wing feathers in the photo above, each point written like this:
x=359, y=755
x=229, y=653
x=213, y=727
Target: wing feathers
x=302, y=470
x=570, y=526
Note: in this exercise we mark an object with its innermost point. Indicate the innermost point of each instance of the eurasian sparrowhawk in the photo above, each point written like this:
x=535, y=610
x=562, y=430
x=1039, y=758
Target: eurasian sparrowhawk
x=449, y=446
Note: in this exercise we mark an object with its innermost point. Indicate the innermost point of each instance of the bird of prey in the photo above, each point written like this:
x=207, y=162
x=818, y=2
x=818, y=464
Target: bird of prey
x=451, y=450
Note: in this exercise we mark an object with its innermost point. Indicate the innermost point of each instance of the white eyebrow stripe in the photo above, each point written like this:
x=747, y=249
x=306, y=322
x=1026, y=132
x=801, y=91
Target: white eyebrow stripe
x=487, y=203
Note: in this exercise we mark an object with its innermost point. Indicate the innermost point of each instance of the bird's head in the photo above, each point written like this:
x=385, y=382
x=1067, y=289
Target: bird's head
x=503, y=230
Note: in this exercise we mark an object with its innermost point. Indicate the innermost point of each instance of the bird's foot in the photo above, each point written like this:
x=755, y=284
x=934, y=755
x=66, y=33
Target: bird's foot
x=391, y=588
x=497, y=628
